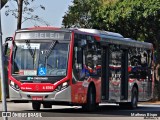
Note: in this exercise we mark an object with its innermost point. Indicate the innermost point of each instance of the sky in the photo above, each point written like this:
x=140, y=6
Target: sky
x=53, y=13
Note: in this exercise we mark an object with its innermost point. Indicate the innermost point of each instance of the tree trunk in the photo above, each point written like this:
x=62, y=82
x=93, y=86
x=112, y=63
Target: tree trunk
x=19, y=19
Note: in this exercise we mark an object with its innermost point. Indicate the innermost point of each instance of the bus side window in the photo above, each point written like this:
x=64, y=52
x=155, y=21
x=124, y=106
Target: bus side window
x=93, y=59
x=132, y=63
x=87, y=58
x=77, y=66
x=144, y=64
x=115, y=55
x=78, y=73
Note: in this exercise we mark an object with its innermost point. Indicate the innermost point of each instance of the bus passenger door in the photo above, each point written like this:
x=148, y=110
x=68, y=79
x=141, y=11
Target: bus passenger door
x=105, y=73
x=114, y=85
x=115, y=72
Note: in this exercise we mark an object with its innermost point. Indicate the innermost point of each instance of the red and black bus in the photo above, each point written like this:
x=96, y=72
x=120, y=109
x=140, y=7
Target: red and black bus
x=79, y=67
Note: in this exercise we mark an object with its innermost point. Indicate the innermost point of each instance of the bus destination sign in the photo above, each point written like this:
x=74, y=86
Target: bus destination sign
x=42, y=35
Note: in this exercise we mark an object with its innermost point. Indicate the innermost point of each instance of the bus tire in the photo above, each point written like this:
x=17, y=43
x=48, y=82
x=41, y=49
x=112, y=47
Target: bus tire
x=36, y=105
x=91, y=100
x=134, y=100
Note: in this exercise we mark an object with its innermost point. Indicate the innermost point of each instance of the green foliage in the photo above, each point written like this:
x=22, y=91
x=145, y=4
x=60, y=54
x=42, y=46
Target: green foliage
x=81, y=13
x=138, y=19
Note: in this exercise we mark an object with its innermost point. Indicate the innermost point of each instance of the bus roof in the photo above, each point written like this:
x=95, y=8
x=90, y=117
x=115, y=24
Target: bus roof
x=40, y=29
x=116, y=38
x=100, y=32
x=105, y=36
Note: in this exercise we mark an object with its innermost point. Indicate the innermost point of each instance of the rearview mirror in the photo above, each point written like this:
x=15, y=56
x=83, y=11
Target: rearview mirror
x=9, y=39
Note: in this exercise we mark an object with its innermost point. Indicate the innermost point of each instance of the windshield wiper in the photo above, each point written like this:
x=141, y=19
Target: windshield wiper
x=32, y=53
x=50, y=49
x=29, y=48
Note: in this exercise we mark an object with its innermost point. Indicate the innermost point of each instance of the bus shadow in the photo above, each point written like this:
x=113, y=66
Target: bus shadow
x=102, y=111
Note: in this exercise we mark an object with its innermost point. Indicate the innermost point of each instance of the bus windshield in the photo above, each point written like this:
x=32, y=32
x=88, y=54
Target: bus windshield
x=40, y=59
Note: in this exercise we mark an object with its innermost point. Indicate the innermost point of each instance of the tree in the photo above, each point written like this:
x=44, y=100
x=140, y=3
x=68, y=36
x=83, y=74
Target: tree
x=19, y=17
x=81, y=13
x=3, y=2
x=84, y=13
x=25, y=12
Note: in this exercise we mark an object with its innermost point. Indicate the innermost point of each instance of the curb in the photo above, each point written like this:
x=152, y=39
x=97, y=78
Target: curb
x=7, y=100
x=151, y=103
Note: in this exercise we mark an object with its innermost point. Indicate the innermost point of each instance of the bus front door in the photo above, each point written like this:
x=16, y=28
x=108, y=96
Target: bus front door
x=114, y=74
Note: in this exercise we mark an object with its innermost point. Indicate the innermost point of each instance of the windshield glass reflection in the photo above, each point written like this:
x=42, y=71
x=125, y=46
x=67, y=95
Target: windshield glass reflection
x=40, y=59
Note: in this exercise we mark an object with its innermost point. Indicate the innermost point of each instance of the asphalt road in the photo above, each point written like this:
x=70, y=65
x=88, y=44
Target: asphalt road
x=111, y=111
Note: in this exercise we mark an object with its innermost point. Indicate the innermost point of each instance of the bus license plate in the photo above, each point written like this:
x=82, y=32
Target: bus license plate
x=37, y=97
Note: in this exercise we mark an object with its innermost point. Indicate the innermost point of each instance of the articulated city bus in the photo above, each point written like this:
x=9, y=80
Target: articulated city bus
x=85, y=67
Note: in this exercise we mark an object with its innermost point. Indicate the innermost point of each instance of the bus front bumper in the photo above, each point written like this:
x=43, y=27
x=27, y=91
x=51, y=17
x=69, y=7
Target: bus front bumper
x=63, y=95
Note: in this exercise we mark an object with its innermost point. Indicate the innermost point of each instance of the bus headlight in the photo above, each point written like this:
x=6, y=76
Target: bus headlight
x=62, y=86
x=14, y=86
x=11, y=83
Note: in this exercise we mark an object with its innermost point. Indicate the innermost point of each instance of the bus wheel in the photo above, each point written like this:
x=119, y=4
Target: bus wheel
x=91, y=100
x=36, y=105
x=47, y=105
x=134, y=98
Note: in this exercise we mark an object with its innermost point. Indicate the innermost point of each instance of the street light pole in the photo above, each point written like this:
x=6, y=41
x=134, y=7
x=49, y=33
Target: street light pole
x=4, y=104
